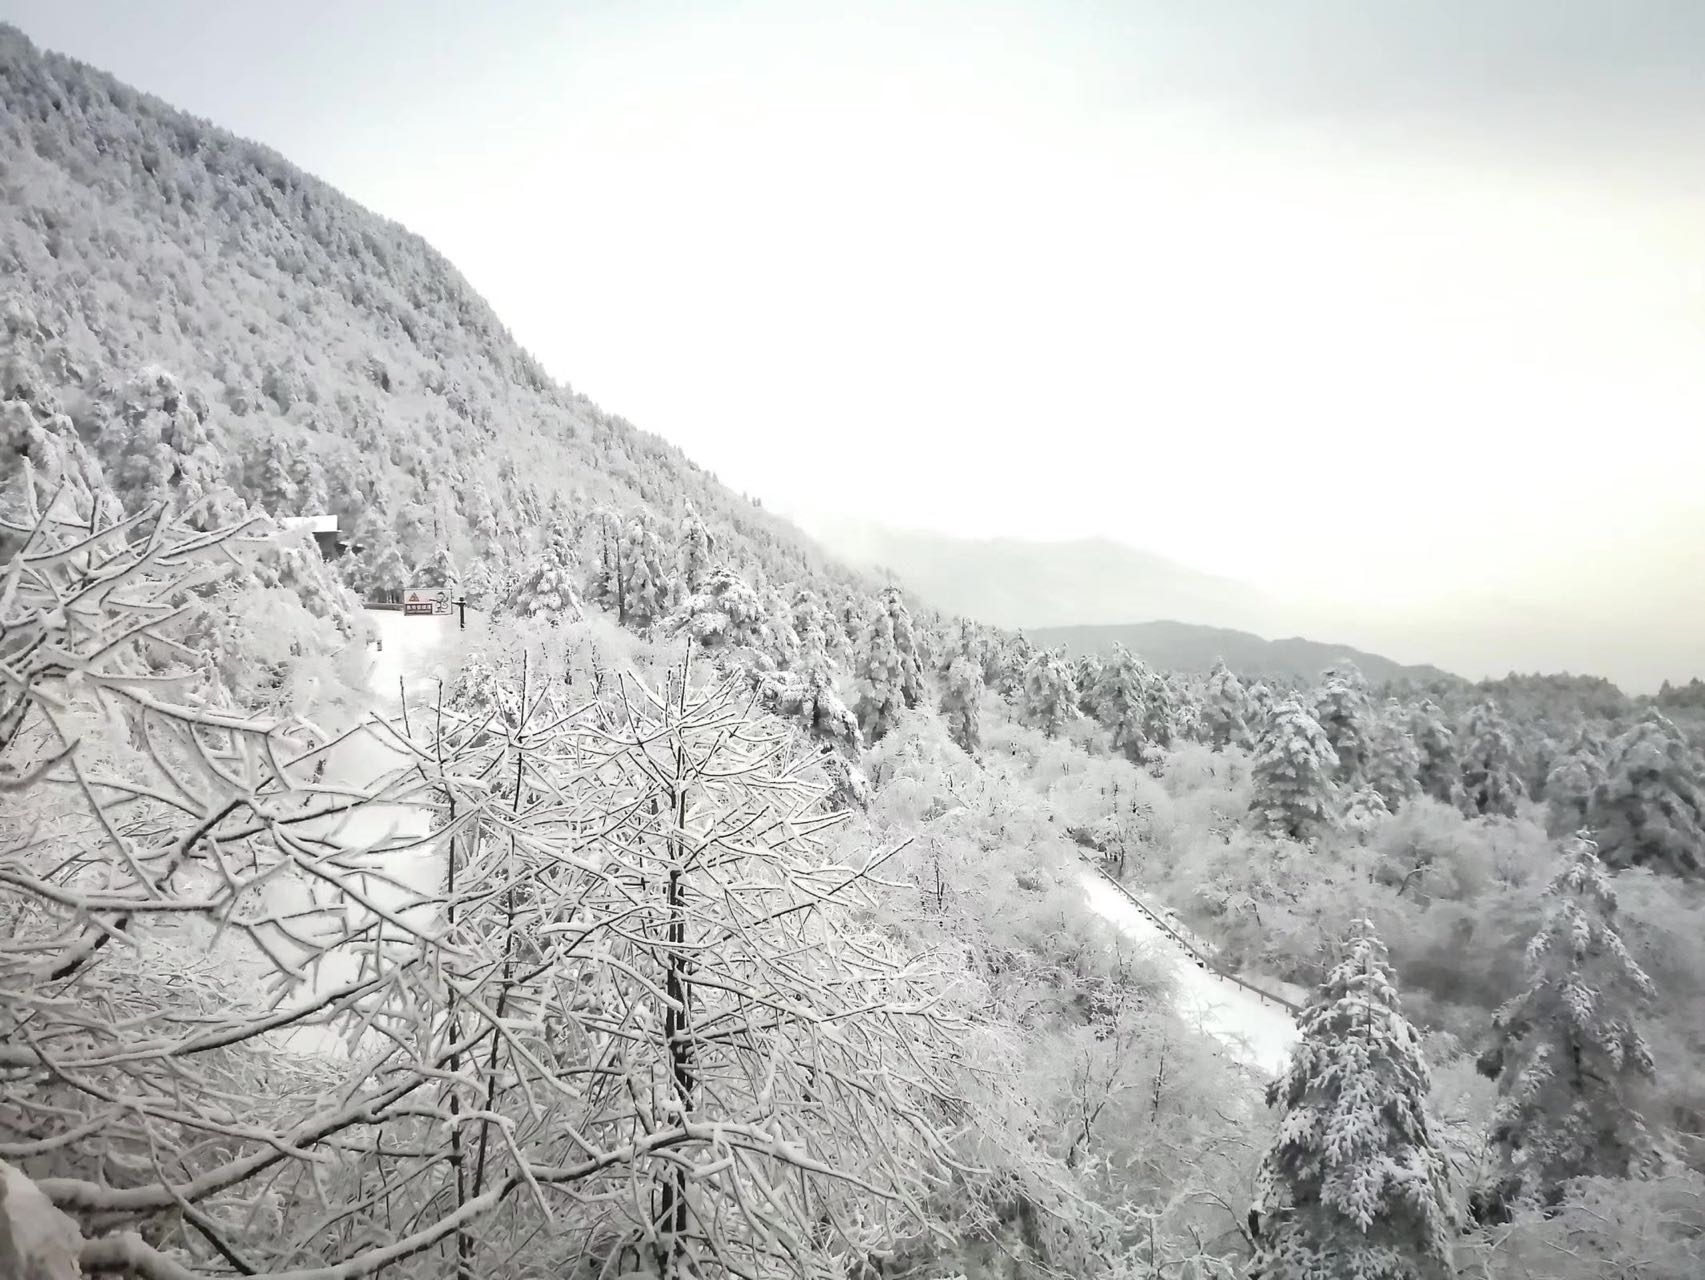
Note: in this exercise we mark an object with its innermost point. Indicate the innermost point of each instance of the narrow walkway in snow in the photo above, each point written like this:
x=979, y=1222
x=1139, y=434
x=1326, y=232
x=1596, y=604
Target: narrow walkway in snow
x=1258, y=1032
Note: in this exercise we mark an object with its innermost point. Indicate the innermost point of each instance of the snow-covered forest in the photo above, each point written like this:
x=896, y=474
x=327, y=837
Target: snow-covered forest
x=705, y=908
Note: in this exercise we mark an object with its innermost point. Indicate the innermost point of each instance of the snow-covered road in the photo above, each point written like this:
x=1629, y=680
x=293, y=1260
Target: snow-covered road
x=1259, y=1032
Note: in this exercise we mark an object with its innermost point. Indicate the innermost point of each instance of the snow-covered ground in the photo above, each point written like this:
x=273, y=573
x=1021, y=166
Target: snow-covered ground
x=1259, y=1032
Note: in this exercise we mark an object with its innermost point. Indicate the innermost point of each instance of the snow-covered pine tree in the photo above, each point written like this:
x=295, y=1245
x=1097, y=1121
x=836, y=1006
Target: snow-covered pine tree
x=1225, y=709
x=1567, y=1054
x=693, y=560
x=909, y=640
x=546, y=587
x=1394, y=762
x=962, y=694
x=881, y=678
x=1364, y=810
x=439, y=571
x=1354, y=1187
x=1293, y=771
x=647, y=583
x=1571, y=781
x=1649, y=809
x=1345, y=714
x=725, y=616
x=1050, y=695
x=1086, y=678
x=1491, y=773
x=1440, y=772
x=1122, y=702
x=383, y=573
x=1261, y=702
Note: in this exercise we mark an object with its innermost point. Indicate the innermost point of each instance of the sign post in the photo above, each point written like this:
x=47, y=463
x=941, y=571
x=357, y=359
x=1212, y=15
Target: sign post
x=427, y=601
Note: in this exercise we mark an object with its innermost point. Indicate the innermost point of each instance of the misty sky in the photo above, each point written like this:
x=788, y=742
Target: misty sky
x=1399, y=309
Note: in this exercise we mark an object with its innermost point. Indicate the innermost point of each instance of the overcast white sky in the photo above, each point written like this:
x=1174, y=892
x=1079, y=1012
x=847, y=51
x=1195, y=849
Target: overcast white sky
x=1398, y=304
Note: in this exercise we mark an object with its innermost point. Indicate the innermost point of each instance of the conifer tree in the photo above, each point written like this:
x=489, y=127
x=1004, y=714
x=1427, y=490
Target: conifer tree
x=1394, y=762
x=1439, y=771
x=1261, y=702
x=383, y=574
x=694, y=558
x=646, y=583
x=725, y=614
x=962, y=694
x=1225, y=710
x=1345, y=714
x=1124, y=702
x=1491, y=778
x=1364, y=810
x=1567, y=1054
x=1050, y=695
x=1571, y=781
x=881, y=678
x=1649, y=809
x=1086, y=678
x=1293, y=770
x=439, y=571
x=546, y=588
x=1354, y=1187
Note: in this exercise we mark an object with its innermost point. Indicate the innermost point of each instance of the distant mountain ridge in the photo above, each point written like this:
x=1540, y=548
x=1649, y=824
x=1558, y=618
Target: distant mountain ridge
x=1184, y=646
x=1011, y=582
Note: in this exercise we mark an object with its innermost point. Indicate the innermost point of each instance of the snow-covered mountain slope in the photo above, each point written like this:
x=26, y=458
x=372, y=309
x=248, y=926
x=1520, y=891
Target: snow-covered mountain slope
x=315, y=356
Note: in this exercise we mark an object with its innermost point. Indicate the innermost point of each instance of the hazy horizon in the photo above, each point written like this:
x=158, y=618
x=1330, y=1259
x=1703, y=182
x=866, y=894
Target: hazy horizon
x=1393, y=315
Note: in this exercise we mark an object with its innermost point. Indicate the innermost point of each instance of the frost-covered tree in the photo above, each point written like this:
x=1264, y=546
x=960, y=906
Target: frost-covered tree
x=1393, y=760
x=156, y=447
x=1261, y=702
x=962, y=694
x=1491, y=771
x=1355, y=1186
x=881, y=678
x=546, y=587
x=1128, y=702
x=1086, y=678
x=438, y=571
x=1440, y=771
x=1345, y=714
x=1649, y=808
x=693, y=561
x=1293, y=770
x=383, y=574
x=890, y=670
x=725, y=615
x=1365, y=810
x=1567, y=1053
x=646, y=585
x=48, y=476
x=1571, y=781
x=1050, y=694
x=1225, y=709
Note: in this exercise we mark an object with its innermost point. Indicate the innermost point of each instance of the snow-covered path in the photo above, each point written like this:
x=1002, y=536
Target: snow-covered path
x=1259, y=1032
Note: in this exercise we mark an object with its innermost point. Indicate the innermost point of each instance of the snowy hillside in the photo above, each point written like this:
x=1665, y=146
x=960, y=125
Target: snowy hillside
x=326, y=358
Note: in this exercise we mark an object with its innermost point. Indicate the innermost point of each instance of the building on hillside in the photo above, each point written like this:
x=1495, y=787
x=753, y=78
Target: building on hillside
x=331, y=540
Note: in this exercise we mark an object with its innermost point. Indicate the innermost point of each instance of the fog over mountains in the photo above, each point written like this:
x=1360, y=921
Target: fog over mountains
x=1618, y=625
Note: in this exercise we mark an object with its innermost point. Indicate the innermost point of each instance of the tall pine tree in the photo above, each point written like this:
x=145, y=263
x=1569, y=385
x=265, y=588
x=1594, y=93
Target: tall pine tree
x=1567, y=1055
x=1293, y=771
x=1491, y=772
x=1354, y=1187
x=1649, y=809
